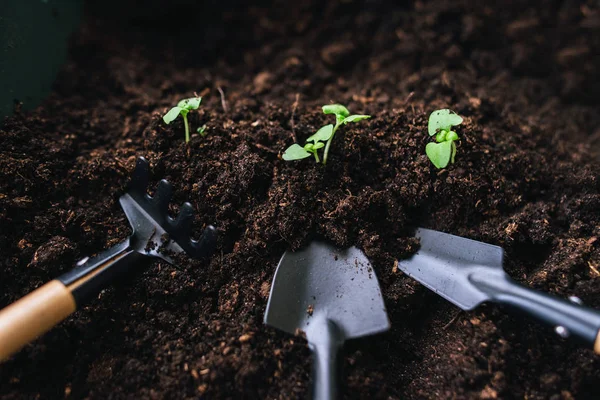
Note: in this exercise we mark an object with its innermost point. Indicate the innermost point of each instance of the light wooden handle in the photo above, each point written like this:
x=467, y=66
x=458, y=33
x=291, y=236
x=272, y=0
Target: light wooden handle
x=597, y=345
x=33, y=315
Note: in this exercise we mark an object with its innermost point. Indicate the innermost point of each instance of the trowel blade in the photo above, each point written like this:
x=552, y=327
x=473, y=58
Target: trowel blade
x=321, y=281
x=445, y=262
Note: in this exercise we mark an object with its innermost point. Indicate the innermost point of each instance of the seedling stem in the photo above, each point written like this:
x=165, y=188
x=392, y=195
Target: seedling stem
x=337, y=125
x=187, y=128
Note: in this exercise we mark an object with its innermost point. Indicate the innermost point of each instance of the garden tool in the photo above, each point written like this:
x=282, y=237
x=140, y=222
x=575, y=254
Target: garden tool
x=155, y=236
x=468, y=273
x=328, y=295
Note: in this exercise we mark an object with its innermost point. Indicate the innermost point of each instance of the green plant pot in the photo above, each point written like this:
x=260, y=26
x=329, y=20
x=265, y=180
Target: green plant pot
x=34, y=38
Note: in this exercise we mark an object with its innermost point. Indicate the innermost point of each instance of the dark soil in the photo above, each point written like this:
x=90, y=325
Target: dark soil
x=522, y=74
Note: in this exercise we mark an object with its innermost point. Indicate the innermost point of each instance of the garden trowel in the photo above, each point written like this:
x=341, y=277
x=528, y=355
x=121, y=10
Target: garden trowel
x=328, y=295
x=468, y=273
x=155, y=236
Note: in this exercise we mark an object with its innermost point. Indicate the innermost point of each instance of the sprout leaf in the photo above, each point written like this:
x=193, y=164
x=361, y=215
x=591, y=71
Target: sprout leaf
x=172, y=115
x=442, y=120
x=190, y=104
x=339, y=110
x=295, y=152
x=355, y=118
x=439, y=153
x=322, y=134
x=202, y=130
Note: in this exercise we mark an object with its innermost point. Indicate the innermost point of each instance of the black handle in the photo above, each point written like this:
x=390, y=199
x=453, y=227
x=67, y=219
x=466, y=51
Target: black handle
x=91, y=275
x=325, y=343
x=569, y=318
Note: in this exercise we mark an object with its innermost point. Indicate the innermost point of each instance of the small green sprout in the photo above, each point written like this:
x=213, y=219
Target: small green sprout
x=325, y=134
x=183, y=108
x=440, y=125
x=201, y=131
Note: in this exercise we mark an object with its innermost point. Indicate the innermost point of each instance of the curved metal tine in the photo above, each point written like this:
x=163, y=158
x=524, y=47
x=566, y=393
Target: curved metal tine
x=207, y=243
x=140, y=177
x=162, y=197
x=182, y=226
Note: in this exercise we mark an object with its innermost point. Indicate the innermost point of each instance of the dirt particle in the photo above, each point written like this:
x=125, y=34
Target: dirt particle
x=510, y=229
x=566, y=395
x=262, y=81
x=299, y=332
x=265, y=288
x=165, y=238
x=488, y=393
x=22, y=202
x=593, y=269
x=550, y=381
x=245, y=338
x=521, y=27
x=572, y=54
x=23, y=244
x=203, y=388
x=310, y=309
x=475, y=102
x=150, y=246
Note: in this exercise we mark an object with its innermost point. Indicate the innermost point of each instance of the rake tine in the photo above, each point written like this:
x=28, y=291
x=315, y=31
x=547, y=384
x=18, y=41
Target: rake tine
x=141, y=177
x=163, y=195
x=204, y=247
x=183, y=223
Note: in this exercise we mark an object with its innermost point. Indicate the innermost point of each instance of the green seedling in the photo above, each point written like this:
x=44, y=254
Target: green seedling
x=201, y=131
x=444, y=150
x=324, y=136
x=183, y=108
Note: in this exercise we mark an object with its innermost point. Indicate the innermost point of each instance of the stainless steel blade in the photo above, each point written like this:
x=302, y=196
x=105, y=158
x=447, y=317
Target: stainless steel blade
x=445, y=263
x=322, y=282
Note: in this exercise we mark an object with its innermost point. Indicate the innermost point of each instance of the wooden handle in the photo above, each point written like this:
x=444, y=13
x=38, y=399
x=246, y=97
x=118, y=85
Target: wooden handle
x=597, y=345
x=33, y=315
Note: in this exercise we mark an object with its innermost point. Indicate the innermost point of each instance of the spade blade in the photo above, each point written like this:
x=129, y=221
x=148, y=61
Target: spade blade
x=321, y=282
x=445, y=263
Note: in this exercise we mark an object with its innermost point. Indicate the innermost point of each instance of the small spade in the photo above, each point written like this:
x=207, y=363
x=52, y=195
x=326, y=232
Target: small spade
x=467, y=273
x=328, y=296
